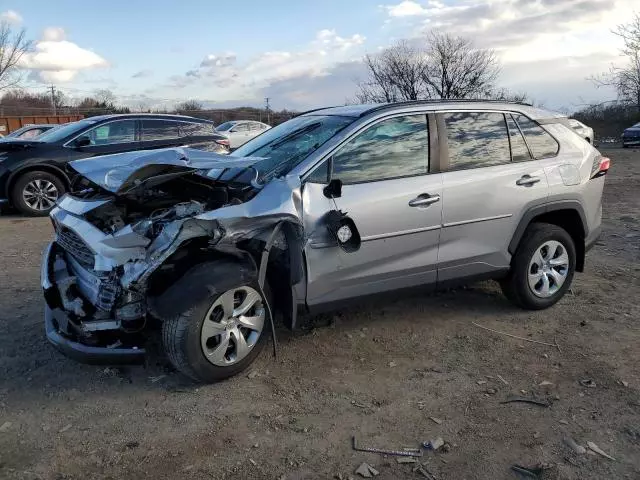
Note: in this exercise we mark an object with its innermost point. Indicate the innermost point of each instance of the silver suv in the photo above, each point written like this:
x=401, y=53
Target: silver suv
x=333, y=205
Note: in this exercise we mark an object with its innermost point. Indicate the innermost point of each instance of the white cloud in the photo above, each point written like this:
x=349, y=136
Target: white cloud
x=330, y=39
x=142, y=74
x=11, y=16
x=221, y=60
x=53, y=34
x=406, y=9
x=59, y=60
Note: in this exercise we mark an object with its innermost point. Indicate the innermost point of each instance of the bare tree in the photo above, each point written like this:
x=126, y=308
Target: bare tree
x=507, y=95
x=13, y=46
x=105, y=96
x=456, y=69
x=625, y=79
x=445, y=67
x=189, y=106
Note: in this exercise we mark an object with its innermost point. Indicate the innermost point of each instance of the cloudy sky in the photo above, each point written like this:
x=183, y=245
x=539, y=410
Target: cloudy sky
x=302, y=54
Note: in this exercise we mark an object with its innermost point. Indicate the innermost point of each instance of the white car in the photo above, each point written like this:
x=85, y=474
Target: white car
x=240, y=132
x=582, y=130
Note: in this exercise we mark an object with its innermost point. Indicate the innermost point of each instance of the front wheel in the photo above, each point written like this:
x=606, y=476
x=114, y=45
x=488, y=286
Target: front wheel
x=36, y=193
x=219, y=337
x=542, y=268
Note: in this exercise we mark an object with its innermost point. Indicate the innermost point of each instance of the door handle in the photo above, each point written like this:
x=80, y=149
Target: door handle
x=424, y=200
x=527, y=180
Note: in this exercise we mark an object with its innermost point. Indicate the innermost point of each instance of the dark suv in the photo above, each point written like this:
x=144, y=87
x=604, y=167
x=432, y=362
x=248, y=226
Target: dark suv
x=33, y=174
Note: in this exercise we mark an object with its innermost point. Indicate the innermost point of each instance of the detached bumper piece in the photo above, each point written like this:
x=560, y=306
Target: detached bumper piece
x=59, y=326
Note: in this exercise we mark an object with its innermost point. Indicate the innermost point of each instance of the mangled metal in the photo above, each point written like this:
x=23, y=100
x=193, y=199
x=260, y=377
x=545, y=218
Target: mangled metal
x=136, y=210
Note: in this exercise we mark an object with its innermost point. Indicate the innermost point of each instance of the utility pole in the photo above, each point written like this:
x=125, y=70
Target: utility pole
x=268, y=109
x=53, y=99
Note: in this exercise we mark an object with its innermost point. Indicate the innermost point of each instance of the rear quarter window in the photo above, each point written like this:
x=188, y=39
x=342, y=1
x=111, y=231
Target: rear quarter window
x=541, y=143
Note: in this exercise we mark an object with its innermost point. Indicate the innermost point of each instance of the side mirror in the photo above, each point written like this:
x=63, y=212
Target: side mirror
x=334, y=189
x=82, y=141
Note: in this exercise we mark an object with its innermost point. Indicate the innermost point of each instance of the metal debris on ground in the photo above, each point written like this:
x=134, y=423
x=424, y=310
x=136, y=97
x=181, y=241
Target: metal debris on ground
x=533, y=401
x=588, y=383
x=531, y=472
x=406, y=459
x=573, y=445
x=367, y=471
x=433, y=444
x=592, y=446
x=435, y=420
x=397, y=453
x=519, y=338
x=65, y=428
x=545, y=383
x=156, y=379
x=502, y=380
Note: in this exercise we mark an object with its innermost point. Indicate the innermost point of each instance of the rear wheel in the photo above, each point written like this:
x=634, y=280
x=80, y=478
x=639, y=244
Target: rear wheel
x=36, y=193
x=542, y=268
x=219, y=337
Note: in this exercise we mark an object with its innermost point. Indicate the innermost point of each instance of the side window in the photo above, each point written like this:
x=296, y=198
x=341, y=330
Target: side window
x=477, y=139
x=254, y=127
x=320, y=174
x=519, y=150
x=242, y=127
x=542, y=144
x=121, y=131
x=393, y=148
x=195, y=129
x=159, y=130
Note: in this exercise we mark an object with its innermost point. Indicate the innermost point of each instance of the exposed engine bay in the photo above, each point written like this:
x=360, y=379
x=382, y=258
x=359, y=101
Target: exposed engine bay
x=136, y=222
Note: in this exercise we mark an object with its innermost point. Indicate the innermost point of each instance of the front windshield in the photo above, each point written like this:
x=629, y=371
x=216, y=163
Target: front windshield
x=225, y=126
x=285, y=146
x=58, y=134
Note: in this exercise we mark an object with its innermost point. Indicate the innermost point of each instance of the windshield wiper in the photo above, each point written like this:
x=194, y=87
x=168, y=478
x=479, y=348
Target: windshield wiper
x=295, y=133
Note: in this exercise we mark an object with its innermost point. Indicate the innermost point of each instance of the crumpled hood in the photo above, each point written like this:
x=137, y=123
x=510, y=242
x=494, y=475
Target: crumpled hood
x=120, y=172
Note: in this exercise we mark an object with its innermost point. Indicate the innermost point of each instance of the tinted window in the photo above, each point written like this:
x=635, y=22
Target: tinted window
x=476, y=139
x=398, y=147
x=519, y=150
x=225, y=126
x=255, y=126
x=320, y=174
x=195, y=129
x=122, y=131
x=159, y=130
x=542, y=144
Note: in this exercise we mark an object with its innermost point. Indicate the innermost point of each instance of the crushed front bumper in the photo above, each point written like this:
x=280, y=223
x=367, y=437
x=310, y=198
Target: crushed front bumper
x=58, y=325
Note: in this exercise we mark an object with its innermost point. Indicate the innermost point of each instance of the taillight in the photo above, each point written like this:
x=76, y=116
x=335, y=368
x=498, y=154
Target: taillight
x=224, y=142
x=600, y=167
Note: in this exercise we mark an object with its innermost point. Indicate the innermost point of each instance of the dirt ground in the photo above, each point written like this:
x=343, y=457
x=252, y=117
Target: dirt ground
x=380, y=372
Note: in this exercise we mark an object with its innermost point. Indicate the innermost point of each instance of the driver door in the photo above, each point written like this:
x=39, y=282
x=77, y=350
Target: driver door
x=394, y=200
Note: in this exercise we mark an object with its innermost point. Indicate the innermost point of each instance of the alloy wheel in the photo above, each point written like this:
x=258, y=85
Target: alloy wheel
x=40, y=194
x=232, y=326
x=548, y=269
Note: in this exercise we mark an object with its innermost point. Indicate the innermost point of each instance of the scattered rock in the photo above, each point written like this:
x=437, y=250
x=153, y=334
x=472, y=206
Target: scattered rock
x=592, y=446
x=563, y=422
x=536, y=435
x=435, y=420
x=545, y=383
x=624, y=384
x=256, y=445
x=5, y=427
x=252, y=374
x=367, y=471
x=587, y=382
x=436, y=444
x=253, y=462
x=502, y=380
x=573, y=445
x=481, y=382
x=132, y=444
x=492, y=391
x=65, y=428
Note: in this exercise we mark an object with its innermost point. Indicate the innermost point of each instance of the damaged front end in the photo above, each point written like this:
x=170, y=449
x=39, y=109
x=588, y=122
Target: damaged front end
x=135, y=224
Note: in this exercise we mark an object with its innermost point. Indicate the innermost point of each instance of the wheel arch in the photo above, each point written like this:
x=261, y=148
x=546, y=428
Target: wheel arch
x=566, y=214
x=13, y=178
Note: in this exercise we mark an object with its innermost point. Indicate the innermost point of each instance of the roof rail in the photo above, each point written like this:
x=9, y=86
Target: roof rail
x=384, y=106
x=316, y=110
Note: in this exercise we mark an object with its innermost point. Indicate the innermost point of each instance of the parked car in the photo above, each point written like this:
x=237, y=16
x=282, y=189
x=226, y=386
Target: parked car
x=33, y=174
x=240, y=132
x=30, y=131
x=331, y=206
x=582, y=130
x=631, y=136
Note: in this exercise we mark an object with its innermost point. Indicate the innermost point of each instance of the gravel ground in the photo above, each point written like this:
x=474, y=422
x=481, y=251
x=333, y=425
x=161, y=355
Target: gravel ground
x=379, y=371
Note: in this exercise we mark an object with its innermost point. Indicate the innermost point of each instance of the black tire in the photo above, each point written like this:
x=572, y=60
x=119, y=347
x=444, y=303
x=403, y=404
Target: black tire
x=181, y=341
x=516, y=286
x=19, y=185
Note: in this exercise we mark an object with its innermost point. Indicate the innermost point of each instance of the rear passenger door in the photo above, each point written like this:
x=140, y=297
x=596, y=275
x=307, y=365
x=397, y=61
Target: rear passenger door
x=159, y=133
x=490, y=178
x=392, y=196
